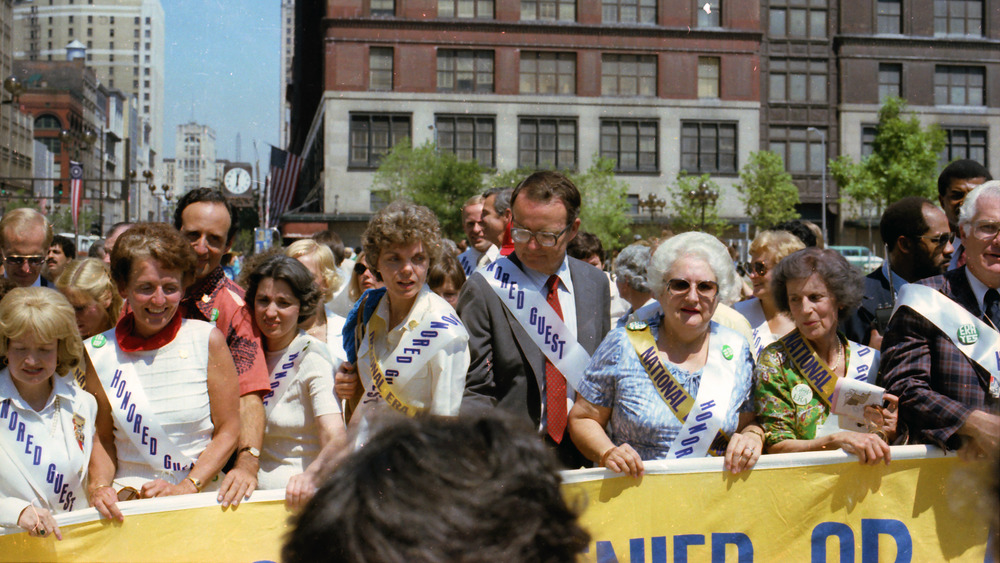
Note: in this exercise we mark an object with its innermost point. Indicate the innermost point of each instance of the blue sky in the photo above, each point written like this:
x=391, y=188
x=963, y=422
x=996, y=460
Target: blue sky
x=223, y=59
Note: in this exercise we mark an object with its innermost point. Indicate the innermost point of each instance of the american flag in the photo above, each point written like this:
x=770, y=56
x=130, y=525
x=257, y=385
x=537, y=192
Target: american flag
x=285, y=168
x=75, y=190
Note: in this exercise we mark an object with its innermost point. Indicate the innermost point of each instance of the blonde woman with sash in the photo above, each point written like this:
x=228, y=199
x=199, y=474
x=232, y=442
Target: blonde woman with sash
x=808, y=379
x=176, y=374
x=405, y=342
x=46, y=423
x=303, y=414
x=325, y=325
x=678, y=386
x=767, y=321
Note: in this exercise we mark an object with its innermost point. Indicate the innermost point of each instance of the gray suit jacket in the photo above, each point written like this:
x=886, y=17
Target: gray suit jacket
x=507, y=370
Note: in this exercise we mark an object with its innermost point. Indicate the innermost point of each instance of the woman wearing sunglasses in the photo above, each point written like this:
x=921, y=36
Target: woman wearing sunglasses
x=815, y=287
x=679, y=385
x=766, y=320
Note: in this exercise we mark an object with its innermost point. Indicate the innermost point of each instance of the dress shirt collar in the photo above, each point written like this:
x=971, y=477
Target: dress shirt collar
x=540, y=279
x=979, y=289
x=60, y=388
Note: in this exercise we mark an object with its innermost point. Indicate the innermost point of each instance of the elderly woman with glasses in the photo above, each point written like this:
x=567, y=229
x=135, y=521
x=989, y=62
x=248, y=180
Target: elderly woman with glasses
x=765, y=317
x=679, y=386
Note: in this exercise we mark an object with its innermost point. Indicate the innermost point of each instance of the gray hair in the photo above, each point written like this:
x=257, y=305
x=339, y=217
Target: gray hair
x=844, y=281
x=631, y=265
x=699, y=245
x=968, y=210
x=502, y=201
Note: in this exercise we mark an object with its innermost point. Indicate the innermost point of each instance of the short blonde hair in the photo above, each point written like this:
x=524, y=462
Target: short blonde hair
x=325, y=260
x=23, y=218
x=46, y=315
x=776, y=244
x=91, y=277
x=401, y=222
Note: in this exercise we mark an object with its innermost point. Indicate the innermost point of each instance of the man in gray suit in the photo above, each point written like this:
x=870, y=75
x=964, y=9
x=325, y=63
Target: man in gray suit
x=505, y=310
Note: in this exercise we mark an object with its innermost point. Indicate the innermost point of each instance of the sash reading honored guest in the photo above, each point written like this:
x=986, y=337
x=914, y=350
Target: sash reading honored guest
x=404, y=341
x=813, y=391
x=678, y=385
x=46, y=421
x=176, y=374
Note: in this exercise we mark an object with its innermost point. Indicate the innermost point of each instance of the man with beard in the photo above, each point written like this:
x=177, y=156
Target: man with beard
x=918, y=243
x=61, y=251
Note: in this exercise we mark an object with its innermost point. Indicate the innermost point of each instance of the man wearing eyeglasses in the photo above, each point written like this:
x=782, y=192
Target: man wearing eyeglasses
x=941, y=352
x=535, y=316
x=918, y=244
x=25, y=237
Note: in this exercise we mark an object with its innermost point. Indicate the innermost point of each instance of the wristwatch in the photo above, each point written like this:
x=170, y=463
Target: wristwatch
x=251, y=450
x=194, y=481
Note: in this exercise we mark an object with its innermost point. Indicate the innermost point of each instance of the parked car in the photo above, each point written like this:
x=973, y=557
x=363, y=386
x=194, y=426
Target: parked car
x=859, y=256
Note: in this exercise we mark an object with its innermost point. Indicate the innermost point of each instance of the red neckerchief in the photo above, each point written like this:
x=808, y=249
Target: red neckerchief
x=131, y=342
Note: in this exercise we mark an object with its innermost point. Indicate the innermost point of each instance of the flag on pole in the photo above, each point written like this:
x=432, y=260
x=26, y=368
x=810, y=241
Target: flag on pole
x=285, y=168
x=75, y=191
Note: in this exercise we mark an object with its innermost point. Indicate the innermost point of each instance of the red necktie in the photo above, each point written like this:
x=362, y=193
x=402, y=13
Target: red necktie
x=555, y=383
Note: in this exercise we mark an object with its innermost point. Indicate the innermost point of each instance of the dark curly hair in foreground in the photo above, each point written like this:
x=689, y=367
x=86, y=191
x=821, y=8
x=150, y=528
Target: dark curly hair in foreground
x=435, y=489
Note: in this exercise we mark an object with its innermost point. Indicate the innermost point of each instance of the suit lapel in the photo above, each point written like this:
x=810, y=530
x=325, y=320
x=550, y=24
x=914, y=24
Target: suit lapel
x=586, y=324
x=960, y=291
x=534, y=356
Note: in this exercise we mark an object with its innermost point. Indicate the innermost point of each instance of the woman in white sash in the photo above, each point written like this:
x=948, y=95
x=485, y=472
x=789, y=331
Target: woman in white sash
x=325, y=325
x=816, y=287
x=88, y=287
x=689, y=275
x=411, y=349
x=46, y=423
x=765, y=317
x=303, y=414
x=166, y=388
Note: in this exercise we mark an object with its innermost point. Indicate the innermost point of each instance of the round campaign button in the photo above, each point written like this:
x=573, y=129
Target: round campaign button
x=727, y=352
x=802, y=394
x=967, y=334
x=636, y=326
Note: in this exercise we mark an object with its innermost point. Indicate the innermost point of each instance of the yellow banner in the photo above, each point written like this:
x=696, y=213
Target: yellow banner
x=792, y=507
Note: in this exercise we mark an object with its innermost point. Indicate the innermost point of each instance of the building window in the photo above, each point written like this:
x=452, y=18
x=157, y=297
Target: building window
x=135, y=34
x=629, y=11
x=890, y=16
x=708, y=146
x=47, y=122
x=546, y=143
x=792, y=18
x=709, y=13
x=548, y=10
x=959, y=85
x=146, y=71
x=467, y=137
x=958, y=17
x=464, y=71
x=708, y=77
x=111, y=32
x=628, y=75
x=380, y=68
x=71, y=19
x=383, y=7
x=374, y=135
x=963, y=143
x=633, y=203
x=90, y=32
x=135, y=84
x=868, y=133
x=890, y=79
x=548, y=73
x=465, y=9
x=632, y=144
x=801, y=149
x=797, y=81
x=90, y=19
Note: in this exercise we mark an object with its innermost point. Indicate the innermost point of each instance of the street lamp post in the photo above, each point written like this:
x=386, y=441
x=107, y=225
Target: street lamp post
x=822, y=135
x=14, y=87
x=703, y=196
x=652, y=204
x=167, y=195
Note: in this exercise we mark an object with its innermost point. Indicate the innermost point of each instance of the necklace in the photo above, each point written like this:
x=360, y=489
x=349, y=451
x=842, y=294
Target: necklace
x=839, y=358
x=55, y=417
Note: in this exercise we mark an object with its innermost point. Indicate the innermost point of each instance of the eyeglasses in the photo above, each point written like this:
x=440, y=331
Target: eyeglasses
x=940, y=240
x=18, y=261
x=705, y=288
x=749, y=269
x=543, y=238
x=985, y=229
x=360, y=269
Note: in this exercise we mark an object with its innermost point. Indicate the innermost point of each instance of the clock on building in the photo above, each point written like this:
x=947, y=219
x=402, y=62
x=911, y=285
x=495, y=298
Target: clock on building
x=237, y=180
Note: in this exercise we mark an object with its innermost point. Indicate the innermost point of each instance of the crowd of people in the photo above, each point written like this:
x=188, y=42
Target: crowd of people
x=147, y=371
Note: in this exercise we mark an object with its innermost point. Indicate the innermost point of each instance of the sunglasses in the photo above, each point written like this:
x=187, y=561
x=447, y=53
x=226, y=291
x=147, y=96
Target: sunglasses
x=747, y=269
x=705, y=288
x=940, y=240
x=18, y=261
x=360, y=269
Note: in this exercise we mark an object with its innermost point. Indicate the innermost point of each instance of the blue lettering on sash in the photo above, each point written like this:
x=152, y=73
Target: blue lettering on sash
x=701, y=427
x=58, y=482
x=20, y=431
x=690, y=441
x=281, y=374
x=415, y=351
x=513, y=288
x=137, y=424
x=703, y=416
x=145, y=435
x=532, y=316
x=998, y=360
x=864, y=352
x=50, y=475
x=685, y=451
x=426, y=334
x=37, y=458
x=5, y=409
x=504, y=280
x=114, y=380
x=540, y=327
x=404, y=359
x=27, y=444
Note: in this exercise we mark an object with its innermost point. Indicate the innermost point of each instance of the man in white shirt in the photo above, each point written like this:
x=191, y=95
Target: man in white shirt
x=25, y=237
x=481, y=251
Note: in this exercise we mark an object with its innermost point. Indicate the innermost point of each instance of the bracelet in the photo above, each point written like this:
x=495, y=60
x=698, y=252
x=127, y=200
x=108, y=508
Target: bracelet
x=194, y=481
x=604, y=456
x=881, y=434
x=756, y=432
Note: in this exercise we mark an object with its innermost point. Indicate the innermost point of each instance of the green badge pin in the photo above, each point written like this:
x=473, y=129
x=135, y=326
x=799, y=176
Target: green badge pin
x=727, y=352
x=215, y=315
x=98, y=341
x=967, y=334
x=636, y=326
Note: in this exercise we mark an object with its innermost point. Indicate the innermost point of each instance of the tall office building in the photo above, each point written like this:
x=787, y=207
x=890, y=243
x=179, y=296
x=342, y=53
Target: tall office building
x=124, y=41
x=287, y=50
x=194, y=164
x=16, y=128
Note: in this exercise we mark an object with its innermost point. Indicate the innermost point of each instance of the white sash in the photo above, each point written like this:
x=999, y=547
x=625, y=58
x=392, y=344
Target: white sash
x=131, y=409
x=753, y=311
x=974, y=338
x=718, y=378
x=466, y=261
x=286, y=368
x=24, y=443
x=863, y=362
x=536, y=316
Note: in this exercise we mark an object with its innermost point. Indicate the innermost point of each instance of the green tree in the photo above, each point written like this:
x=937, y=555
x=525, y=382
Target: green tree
x=903, y=162
x=688, y=211
x=436, y=179
x=767, y=191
